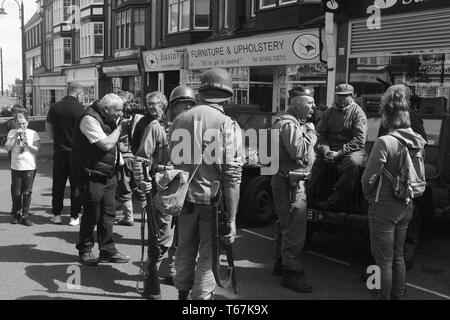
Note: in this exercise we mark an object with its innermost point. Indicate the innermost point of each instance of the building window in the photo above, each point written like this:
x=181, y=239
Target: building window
x=139, y=27
x=67, y=50
x=98, y=38
x=264, y=4
x=130, y=28
x=202, y=13
x=179, y=14
x=67, y=10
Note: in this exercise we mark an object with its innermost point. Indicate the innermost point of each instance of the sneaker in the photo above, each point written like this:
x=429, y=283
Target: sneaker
x=74, y=221
x=115, y=258
x=125, y=223
x=87, y=258
x=26, y=221
x=57, y=219
x=296, y=282
x=278, y=269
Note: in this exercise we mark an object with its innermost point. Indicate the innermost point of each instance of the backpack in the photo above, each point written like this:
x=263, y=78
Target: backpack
x=171, y=190
x=410, y=182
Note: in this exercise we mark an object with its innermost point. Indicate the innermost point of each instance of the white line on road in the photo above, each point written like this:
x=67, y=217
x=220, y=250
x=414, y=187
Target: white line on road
x=309, y=251
x=328, y=258
x=428, y=291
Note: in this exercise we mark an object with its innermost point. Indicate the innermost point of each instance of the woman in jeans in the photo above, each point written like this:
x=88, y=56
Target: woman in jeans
x=389, y=216
x=24, y=146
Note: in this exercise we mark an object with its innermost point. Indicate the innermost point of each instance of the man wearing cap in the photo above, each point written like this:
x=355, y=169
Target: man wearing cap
x=296, y=153
x=205, y=127
x=342, y=134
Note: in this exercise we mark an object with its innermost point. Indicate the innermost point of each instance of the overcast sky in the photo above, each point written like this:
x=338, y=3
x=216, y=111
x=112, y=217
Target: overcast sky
x=10, y=38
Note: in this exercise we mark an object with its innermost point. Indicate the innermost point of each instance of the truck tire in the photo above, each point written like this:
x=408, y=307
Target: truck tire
x=257, y=207
x=413, y=238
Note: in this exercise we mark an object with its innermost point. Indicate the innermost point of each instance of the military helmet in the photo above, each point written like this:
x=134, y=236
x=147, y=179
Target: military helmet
x=216, y=86
x=182, y=93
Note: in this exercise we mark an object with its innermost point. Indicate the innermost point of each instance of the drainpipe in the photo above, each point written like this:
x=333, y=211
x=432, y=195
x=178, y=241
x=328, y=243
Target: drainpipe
x=330, y=45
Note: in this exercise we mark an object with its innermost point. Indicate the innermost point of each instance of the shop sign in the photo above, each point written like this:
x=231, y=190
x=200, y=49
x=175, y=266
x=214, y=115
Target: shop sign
x=280, y=49
x=124, y=70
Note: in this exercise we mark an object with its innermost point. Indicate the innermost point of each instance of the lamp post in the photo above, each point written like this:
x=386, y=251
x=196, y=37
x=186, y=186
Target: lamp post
x=1, y=66
x=24, y=69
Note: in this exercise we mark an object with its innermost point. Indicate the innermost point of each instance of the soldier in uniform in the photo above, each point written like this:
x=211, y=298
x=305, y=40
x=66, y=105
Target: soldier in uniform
x=193, y=265
x=342, y=134
x=296, y=154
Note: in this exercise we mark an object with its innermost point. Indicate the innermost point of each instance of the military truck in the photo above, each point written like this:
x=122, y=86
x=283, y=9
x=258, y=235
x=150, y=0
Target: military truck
x=256, y=206
x=351, y=216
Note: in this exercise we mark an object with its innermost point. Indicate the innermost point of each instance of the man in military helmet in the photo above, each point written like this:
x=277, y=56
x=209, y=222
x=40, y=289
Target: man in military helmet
x=194, y=253
x=296, y=154
x=181, y=99
x=342, y=134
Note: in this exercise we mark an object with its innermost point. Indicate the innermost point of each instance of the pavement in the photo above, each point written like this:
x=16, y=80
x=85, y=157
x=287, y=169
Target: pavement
x=41, y=262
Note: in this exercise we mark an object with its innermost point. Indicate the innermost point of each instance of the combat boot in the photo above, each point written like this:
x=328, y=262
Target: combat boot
x=26, y=210
x=278, y=269
x=295, y=281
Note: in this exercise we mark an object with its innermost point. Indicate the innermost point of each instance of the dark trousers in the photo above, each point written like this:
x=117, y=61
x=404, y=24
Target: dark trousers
x=21, y=189
x=61, y=171
x=348, y=170
x=98, y=200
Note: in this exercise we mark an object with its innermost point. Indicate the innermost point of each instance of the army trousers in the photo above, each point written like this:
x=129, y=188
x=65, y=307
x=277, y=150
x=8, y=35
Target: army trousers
x=290, y=206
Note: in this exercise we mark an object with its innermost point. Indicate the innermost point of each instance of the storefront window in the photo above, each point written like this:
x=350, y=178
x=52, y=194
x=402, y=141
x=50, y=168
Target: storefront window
x=89, y=95
x=427, y=75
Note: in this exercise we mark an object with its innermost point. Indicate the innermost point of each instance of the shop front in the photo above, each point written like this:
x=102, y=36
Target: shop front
x=48, y=90
x=87, y=77
x=264, y=68
x=411, y=48
x=124, y=77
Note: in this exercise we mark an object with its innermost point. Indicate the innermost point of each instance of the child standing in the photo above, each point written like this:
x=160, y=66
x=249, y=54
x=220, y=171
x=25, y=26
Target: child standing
x=24, y=145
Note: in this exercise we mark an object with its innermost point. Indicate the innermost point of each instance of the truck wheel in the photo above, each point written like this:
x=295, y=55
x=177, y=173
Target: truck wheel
x=257, y=202
x=413, y=238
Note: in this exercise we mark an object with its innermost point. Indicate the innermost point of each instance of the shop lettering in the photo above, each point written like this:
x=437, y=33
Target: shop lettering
x=209, y=52
x=167, y=56
x=374, y=20
x=259, y=47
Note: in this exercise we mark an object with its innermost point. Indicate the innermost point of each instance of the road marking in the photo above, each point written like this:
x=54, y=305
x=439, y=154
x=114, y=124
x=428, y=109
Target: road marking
x=309, y=251
x=328, y=258
x=258, y=235
x=428, y=291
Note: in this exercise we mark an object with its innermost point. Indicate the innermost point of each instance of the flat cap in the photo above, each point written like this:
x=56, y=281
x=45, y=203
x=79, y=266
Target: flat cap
x=345, y=89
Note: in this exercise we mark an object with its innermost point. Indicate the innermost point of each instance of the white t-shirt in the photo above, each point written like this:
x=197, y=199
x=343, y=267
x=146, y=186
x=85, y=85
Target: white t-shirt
x=25, y=160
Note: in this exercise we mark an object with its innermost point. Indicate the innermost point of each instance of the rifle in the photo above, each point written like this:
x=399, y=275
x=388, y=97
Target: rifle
x=225, y=276
x=149, y=270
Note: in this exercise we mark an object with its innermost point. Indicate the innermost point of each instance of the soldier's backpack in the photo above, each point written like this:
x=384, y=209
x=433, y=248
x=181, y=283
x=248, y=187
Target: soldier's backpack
x=410, y=182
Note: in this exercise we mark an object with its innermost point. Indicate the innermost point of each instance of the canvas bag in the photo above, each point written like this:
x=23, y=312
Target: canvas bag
x=410, y=182
x=171, y=190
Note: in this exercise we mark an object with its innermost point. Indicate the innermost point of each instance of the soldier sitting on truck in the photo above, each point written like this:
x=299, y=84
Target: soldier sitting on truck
x=342, y=134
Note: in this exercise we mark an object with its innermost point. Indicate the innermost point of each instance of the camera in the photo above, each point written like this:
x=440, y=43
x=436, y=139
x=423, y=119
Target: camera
x=21, y=142
x=133, y=108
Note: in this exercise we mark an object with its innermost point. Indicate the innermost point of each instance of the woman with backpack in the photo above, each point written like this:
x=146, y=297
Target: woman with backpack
x=389, y=183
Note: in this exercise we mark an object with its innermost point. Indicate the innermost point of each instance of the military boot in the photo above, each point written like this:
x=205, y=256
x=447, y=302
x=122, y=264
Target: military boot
x=278, y=269
x=295, y=281
x=26, y=210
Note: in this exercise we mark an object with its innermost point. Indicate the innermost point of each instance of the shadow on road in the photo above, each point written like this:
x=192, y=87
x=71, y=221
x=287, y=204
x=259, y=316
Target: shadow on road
x=26, y=253
x=36, y=297
x=67, y=236
x=103, y=277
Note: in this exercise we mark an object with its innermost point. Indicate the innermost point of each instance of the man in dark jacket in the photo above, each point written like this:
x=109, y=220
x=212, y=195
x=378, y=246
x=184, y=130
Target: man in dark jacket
x=59, y=126
x=342, y=134
x=95, y=161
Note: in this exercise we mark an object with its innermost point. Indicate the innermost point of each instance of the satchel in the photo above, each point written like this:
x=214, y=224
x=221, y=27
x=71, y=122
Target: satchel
x=171, y=190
